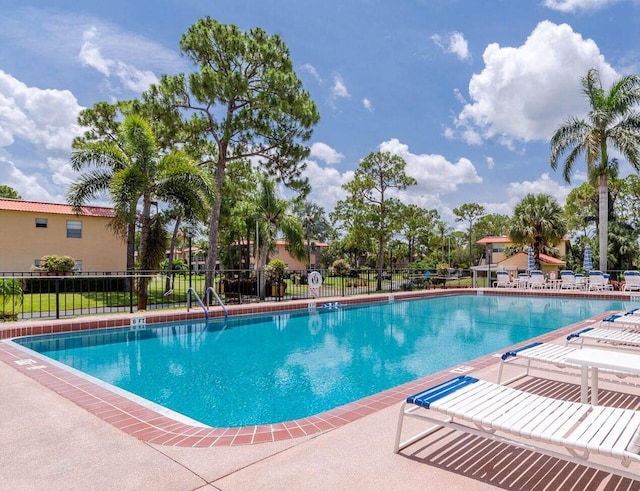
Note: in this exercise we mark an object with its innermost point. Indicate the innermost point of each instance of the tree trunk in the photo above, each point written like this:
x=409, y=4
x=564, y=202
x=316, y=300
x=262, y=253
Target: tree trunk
x=380, y=264
x=131, y=254
x=143, y=281
x=603, y=213
x=174, y=241
x=214, y=224
x=261, y=264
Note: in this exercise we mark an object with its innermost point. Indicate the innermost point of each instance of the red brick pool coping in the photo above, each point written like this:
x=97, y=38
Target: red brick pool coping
x=151, y=426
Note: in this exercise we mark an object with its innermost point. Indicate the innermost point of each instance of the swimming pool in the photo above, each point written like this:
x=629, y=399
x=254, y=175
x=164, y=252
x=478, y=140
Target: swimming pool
x=260, y=370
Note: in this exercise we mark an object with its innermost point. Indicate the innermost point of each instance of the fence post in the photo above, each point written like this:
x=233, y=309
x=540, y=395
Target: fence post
x=130, y=281
x=57, y=284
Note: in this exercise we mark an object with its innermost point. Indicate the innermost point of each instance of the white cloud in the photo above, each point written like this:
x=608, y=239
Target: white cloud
x=325, y=153
x=575, y=5
x=128, y=61
x=326, y=184
x=307, y=67
x=367, y=105
x=45, y=122
x=45, y=118
x=434, y=173
x=518, y=190
x=90, y=54
x=490, y=162
x=514, y=192
x=524, y=93
x=338, y=90
x=454, y=43
x=458, y=46
x=436, y=176
x=131, y=77
x=27, y=186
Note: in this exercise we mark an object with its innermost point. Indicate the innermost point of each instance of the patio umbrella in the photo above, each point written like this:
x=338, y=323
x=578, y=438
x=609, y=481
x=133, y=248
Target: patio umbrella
x=587, y=262
x=531, y=263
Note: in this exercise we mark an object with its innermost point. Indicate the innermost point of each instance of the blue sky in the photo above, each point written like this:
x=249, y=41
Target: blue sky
x=467, y=92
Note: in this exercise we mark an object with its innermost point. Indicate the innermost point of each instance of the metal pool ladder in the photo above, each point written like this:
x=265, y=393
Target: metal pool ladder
x=204, y=308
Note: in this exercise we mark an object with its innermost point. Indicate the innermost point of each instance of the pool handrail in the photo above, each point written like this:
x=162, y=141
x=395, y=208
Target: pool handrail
x=204, y=308
x=215, y=294
x=199, y=300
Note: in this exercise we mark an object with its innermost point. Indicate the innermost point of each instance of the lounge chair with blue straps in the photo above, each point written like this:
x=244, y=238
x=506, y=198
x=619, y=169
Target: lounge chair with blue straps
x=617, y=338
x=547, y=357
x=599, y=281
x=503, y=280
x=568, y=280
x=631, y=281
x=623, y=320
x=571, y=431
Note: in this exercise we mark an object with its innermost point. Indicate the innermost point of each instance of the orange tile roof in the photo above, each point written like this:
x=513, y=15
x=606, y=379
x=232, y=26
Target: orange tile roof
x=53, y=208
x=551, y=260
x=491, y=239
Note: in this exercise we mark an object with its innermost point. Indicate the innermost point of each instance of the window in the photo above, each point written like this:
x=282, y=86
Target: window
x=74, y=229
x=41, y=222
x=78, y=266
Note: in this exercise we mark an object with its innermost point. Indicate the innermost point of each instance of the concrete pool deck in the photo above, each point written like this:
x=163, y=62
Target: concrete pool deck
x=50, y=442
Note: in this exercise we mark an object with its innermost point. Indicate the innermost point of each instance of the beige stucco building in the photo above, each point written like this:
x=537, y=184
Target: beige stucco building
x=32, y=229
x=518, y=262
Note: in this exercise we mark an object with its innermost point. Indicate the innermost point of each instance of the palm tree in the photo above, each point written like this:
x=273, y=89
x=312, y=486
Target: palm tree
x=537, y=221
x=134, y=173
x=612, y=120
x=314, y=223
x=272, y=217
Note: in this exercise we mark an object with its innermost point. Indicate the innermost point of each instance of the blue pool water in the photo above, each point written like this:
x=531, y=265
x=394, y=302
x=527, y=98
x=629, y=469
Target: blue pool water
x=274, y=368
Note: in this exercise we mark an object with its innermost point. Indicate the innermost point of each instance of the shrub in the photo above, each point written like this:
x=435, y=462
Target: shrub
x=341, y=267
x=442, y=269
x=275, y=269
x=57, y=263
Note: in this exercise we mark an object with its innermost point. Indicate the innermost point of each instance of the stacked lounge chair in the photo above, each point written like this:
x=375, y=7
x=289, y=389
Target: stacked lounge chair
x=545, y=355
x=611, y=337
x=627, y=320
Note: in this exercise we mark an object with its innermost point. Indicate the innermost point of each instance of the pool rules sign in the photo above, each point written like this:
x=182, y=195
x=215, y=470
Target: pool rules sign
x=315, y=282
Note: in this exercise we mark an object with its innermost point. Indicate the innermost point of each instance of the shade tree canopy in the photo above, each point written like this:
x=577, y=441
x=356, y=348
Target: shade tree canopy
x=613, y=122
x=371, y=207
x=246, y=100
x=537, y=222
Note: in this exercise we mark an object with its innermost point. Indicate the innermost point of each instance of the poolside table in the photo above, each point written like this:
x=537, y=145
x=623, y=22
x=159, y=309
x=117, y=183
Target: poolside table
x=605, y=359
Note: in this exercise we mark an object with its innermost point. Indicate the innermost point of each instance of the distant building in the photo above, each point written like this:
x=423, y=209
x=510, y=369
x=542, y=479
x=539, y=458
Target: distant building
x=279, y=251
x=497, y=245
x=33, y=229
x=315, y=254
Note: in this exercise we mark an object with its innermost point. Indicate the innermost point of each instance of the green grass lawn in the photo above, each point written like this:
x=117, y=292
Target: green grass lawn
x=99, y=301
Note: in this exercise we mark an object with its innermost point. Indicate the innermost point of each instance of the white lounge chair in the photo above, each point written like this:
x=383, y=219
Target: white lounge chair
x=612, y=337
x=523, y=419
x=631, y=281
x=503, y=280
x=544, y=354
x=536, y=280
x=627, y=320
x=598, y=281
x=522, y=281
x=568, y=279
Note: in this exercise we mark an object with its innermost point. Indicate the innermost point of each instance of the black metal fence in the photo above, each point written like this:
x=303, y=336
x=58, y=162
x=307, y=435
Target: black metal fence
x=33, y=295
